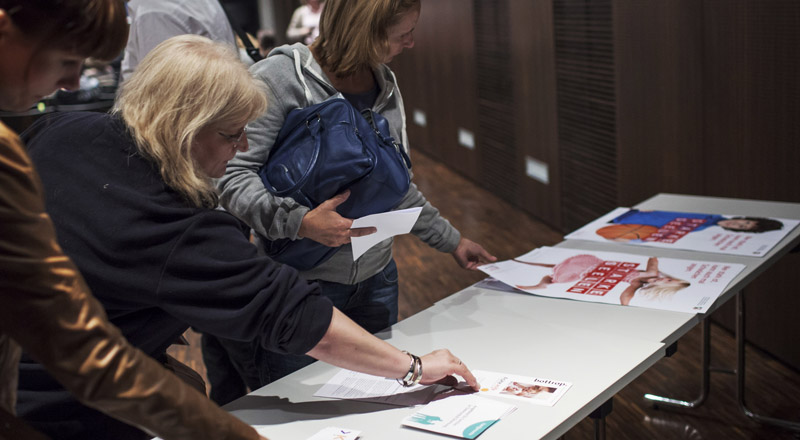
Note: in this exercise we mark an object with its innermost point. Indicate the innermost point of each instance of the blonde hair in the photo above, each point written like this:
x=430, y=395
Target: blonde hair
x=183, y=85
x=658, y=292
x=353, y=33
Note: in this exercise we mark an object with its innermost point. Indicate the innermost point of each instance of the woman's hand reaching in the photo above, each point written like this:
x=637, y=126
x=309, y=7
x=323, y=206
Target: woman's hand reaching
x=439, y=366
x=470, y=255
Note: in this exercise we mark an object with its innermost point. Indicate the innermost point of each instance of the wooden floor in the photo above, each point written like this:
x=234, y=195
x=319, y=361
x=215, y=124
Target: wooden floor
x=427, y=276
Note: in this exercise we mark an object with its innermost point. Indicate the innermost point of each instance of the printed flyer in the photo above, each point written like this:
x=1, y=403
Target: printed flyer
x=347, y=384
x=459, y=416
x=536, y=390
x=725, y=234
x=616, y=278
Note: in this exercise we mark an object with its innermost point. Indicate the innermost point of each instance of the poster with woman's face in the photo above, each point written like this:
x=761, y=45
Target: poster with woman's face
x=748, y=235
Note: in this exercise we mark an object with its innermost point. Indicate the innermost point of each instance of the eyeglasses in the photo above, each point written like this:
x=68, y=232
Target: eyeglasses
x=234, y=138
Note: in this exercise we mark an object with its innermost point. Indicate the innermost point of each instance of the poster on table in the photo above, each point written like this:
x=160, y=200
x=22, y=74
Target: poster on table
x=726, y=234
x=617, y=278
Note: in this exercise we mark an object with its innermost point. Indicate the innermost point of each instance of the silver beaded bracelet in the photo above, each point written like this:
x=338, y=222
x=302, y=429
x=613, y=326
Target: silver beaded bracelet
x=414, y=374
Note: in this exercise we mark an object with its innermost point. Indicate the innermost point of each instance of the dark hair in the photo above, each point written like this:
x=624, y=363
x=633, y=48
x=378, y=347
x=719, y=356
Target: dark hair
x=90, y=28
x=266, y=40
x=762, y=224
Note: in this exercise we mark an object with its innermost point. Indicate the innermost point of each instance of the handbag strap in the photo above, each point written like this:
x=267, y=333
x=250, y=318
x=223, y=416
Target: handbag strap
x=251, y=50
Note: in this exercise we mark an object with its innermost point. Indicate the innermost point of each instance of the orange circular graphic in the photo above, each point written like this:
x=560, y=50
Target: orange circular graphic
x=626, y=231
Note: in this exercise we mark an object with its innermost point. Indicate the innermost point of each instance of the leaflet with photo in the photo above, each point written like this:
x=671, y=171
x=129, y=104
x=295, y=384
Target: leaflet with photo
x=536, y=390
x=616, y=278
x=751, y=236
x=460, y=416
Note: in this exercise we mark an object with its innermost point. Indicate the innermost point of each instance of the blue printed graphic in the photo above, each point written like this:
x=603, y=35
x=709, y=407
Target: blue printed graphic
x=476, y=429
x=425, y=419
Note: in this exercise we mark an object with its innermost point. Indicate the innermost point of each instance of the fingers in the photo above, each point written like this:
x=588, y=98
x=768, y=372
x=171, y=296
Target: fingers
x=337, y=200
x=360, y=232
x=464, y=372
x=486, y=257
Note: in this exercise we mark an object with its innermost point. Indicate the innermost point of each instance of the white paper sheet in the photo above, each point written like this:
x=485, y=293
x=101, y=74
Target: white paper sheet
x=329, y=433
x=459, y=416
x=348, y=384
x=388, y=224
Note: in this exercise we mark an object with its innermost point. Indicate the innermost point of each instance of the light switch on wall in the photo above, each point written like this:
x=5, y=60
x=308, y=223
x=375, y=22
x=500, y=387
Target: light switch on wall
x=419, y=118
x=537, y=170
x=466, y=138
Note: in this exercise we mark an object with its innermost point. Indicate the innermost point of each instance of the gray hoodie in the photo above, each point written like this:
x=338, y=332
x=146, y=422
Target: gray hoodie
x=295, y=80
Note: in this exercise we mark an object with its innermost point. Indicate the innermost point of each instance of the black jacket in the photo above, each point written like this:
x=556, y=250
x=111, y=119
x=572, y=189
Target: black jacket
x=157, y=264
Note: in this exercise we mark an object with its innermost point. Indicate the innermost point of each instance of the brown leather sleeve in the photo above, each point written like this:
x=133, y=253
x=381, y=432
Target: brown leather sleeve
x=46, y=308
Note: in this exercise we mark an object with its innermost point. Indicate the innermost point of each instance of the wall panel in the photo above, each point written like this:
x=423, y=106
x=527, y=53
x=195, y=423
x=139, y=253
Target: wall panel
x=533, y=59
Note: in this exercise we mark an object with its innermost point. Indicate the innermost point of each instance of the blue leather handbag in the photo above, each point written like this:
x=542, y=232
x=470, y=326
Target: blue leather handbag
x=324, y=149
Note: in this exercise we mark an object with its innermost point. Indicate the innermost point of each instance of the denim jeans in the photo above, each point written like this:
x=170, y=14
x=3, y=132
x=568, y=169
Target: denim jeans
x=372, y=304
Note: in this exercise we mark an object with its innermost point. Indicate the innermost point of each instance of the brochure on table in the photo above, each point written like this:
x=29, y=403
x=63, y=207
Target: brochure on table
x=617, y=278
x=726, y=234
x=460, y=416
x=535, y=390
x=346, y=384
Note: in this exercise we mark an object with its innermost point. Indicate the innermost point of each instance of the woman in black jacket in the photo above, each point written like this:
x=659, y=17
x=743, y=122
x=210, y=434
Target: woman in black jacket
x=131, y=196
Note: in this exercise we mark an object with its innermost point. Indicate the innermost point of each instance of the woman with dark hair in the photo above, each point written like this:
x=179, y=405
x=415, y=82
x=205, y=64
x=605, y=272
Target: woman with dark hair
x=45, y=306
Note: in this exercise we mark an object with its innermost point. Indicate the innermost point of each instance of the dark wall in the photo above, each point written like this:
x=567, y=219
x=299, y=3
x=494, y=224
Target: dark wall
x=620, y=100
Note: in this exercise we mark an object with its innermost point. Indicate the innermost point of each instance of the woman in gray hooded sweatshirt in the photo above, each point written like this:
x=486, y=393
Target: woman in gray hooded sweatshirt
x=357, y=39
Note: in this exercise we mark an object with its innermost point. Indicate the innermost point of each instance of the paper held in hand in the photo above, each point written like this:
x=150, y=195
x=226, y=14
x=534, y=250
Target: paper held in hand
x=388, y=224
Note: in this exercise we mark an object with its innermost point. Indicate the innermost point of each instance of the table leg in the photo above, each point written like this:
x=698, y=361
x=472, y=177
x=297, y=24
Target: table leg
x=740, y=372
x=705, y=347
x=599, y=415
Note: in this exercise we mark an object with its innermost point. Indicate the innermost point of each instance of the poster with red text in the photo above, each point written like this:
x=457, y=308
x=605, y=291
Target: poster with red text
x=726, y=234
x=617, y=278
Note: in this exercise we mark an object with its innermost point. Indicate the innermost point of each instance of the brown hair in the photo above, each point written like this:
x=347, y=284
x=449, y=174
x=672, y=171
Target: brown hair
x=353, y=33
x=90, y=28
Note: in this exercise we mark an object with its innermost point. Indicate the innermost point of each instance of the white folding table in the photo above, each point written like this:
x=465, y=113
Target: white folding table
x=599, y=348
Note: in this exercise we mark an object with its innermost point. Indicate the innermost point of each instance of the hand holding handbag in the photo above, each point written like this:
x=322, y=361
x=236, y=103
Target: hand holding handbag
x=324, y=149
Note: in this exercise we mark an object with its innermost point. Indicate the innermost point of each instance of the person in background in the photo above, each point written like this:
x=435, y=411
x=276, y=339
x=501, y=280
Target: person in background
x=153, y=21
x=132, y=199
x=266, y=42
x=357, y=39
x=304, y=24
x=45, y=306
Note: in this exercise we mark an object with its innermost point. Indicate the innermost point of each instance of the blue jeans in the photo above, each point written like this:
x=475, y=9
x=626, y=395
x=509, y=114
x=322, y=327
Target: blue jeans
x=372, y=304
x=231, y=365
